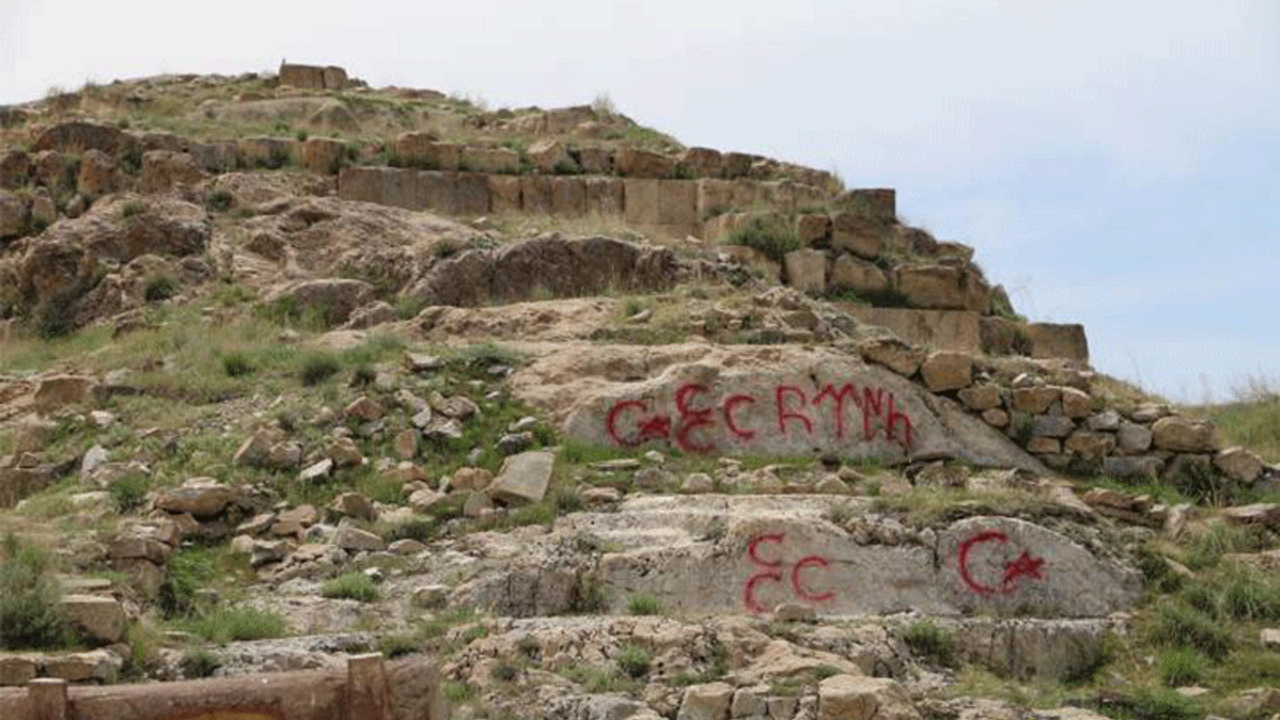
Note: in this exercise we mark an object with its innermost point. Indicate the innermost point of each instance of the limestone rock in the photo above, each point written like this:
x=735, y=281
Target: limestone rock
x=58, y=391
x=1238, y=464
x=97, y=174
x=981, y=397
x=101, y=619
x=944, y=370
x=697, y=484
x=354, y=505
x=316, y=471
x=1270, y=638
x=424, y=499
x=1076, y=403
x=323, y=155
x=709, y=701
x=363, y=408
x=1035, y=400
x=99, y=665
x=900, y=357
x=1184, y=434
x=523, y=479
x=637, y=163
x=806, y=270
x=255, y=451
x=814, y=231
x=848, y=272
x=163, y=170
x=16, y=670
x=935, y=287
x=15, y=212
x=1258, y=513
x=202, y=497
x=858, y=234
x=550, y=157
x=1133, y=438
x=354, y=539
x=406, y=444
x=15, y=169
x=848, y=697
x=333, y=298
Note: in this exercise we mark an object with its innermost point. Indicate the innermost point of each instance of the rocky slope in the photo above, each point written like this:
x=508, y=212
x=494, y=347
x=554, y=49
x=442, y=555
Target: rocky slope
x=599, y=424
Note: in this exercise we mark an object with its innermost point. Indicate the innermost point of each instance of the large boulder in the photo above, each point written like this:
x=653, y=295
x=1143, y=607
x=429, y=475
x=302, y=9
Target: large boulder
x=79, y=136
x=1184, y=434
x=546, y=265
x=15, y=169
x=100, y=619
x=15, y=214
x=332, y=299
x=750, y=401
x=850, y=697
x=163, y=170
x=97, y=174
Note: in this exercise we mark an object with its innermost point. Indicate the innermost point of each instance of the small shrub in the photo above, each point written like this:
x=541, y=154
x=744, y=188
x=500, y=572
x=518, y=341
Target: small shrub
x=566, y=167
x=301, y=135
x=185, y=575
x=219, y=200
x=394, y=646
x=928, y=640
x=504, y=672
x=634, y=661
x=567, y=500
x=458, y=692
x=161, y=287
x=772, y=241
x=643, y=604
x=363, y=376
x=352, y=586
x=1182, y=667
x=236, y=365
x=318, y=368
x=841, y=513
x=1023, y=428
x=243, y=623
x=420, y=529
x=132, y=207
x=129, y=492
x=30, y=613
x=199, y=664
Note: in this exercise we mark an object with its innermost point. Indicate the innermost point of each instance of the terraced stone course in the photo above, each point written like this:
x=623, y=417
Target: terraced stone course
x=318, y=399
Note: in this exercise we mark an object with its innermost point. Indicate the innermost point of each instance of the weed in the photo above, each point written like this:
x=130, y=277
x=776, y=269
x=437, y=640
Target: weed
x=363, y=376
x=1022, y=428
x=236, y=365
x=318, y=368
x=644, y=604
x=634, y=661
x=1155, y=704
x=1182, y=667
x=398, y=645
x=927, y=639
x=1182, y=626
x=504, y=672
x=458, y=692
x=30, y=614
x=199, y=663
x=841, y=513
x=1207, y=549
x=129, y=492
x=161, y=287
x=767, y=238
x=352, y=586
x=186, y=573
x=219, y=200
x=420, y=529
x=132, y=208
x=567, y=500
x=238, y=623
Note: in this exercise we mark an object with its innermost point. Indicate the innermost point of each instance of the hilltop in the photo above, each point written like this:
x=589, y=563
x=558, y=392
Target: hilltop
x=593, y=424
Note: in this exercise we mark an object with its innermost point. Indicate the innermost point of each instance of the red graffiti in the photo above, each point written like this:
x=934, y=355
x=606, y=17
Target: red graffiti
x=691, y=419
x=696, y=424
x=730, y=422
x=784, y=414
x=1025, y=566
x=802, y=563
x=769, y=571
x=651, y=428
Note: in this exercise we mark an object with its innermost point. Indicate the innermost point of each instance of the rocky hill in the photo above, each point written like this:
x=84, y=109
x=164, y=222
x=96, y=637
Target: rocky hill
x=294, y=370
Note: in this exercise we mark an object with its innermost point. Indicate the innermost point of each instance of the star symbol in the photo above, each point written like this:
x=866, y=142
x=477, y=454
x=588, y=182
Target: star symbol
x=1027, y=565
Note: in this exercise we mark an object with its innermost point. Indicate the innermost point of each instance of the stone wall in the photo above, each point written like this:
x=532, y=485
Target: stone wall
x=313, y=77
x=368, y=690
x=669, y=207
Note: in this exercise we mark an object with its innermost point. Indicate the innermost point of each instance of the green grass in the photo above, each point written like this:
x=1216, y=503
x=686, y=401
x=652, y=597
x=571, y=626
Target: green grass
x=129, y=492
x=226, y=624
x=767, y=238
x=161, y=287
x=1182, y=667
x=199, y=663
x=352, y=586
x=1179, y=625
x=928, y=640
x=236, y=365
x=188, y=572
x=643, y=604
x=634, y=661
x=1252, y=420
x=317, y=368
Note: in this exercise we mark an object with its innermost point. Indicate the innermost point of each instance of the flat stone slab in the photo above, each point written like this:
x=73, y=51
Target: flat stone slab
x=736, y=400
x=524, y=478
x=996, y=566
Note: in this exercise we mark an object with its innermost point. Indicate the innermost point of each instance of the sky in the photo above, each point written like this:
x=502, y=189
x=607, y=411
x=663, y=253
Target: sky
x=1115, y=164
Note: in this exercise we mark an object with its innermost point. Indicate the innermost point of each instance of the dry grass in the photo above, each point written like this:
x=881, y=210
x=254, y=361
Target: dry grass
x=1251, y=419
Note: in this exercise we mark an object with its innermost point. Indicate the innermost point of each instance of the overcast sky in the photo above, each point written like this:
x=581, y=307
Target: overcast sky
x=1115, y=163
